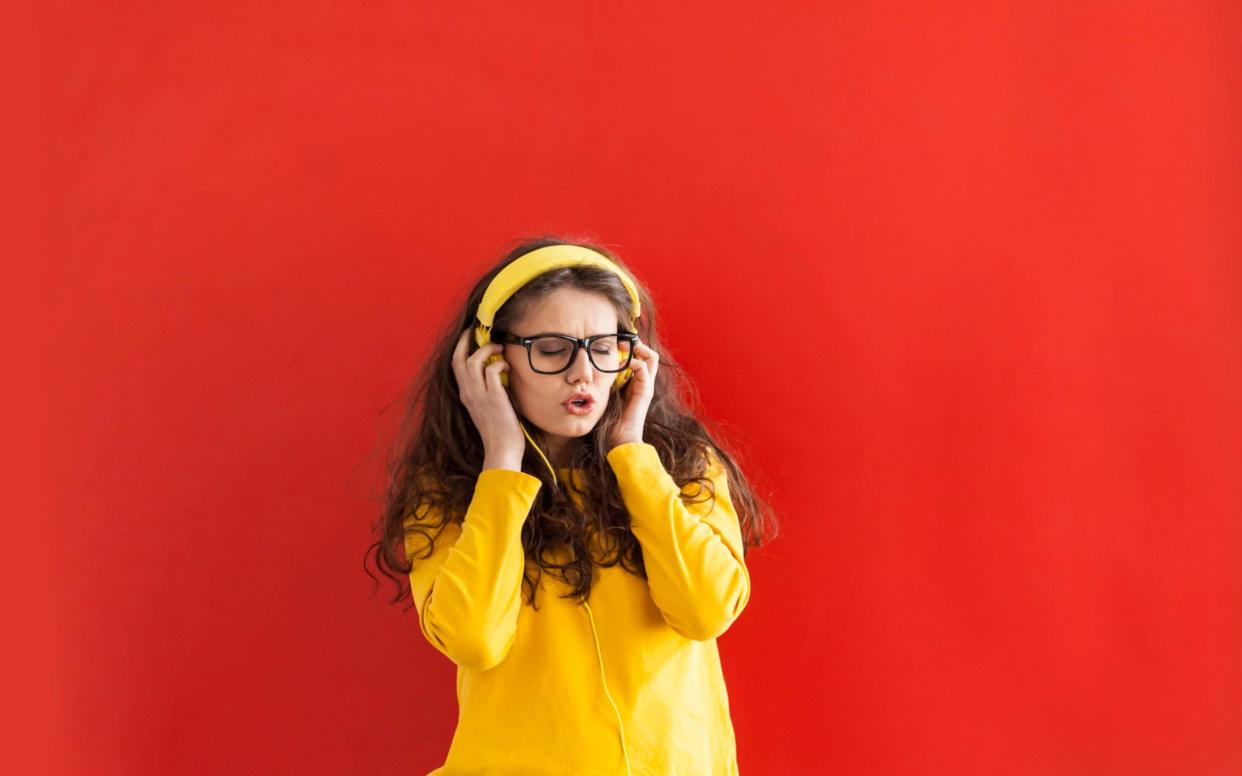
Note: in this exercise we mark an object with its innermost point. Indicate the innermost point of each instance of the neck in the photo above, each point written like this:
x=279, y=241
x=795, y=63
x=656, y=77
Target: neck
x=559, y=450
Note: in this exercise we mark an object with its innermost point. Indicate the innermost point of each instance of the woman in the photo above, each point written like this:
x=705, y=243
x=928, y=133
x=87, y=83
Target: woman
x=576, y=567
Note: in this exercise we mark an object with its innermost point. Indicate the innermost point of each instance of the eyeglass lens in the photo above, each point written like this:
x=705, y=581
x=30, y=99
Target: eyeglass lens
x=552, y=354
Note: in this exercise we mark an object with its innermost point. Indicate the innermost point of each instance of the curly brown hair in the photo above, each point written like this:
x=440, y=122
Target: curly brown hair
x=438, y=440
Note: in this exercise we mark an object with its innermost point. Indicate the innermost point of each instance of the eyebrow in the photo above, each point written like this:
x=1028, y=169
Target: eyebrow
x=562, y=334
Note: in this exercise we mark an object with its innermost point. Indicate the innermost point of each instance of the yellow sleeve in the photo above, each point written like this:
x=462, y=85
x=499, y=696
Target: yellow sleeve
x=693, y=552
x=468, y=591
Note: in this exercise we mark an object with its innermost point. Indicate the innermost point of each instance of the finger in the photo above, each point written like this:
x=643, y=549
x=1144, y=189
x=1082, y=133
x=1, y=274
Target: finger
x=491, y=374
x=485, y=352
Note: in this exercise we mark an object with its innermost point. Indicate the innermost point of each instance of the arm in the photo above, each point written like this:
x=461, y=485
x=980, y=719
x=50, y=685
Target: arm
x=468, y=591
x=693, y=553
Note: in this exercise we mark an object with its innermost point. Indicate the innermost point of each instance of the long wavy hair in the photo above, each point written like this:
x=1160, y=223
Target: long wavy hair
x=438, y=453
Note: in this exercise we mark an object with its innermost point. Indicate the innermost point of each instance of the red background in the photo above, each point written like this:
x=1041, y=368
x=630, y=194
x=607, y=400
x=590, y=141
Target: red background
x=962, y=277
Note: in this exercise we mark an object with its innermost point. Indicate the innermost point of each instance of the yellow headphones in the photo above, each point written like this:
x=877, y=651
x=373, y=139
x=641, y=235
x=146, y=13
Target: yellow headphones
x=526, y=268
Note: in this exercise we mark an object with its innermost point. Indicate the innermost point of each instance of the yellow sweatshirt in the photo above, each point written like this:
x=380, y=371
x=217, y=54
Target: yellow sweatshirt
x=628, y=683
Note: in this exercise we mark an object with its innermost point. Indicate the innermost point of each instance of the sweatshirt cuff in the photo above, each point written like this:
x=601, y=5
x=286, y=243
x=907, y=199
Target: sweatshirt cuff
x=503, y=496
x=640, y=473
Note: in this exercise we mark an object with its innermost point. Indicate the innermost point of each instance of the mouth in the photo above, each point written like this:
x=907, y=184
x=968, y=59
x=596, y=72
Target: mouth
x=579, y=406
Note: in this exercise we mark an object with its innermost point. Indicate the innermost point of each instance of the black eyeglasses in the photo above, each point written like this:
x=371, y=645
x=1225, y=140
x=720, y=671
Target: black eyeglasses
x=550, y=354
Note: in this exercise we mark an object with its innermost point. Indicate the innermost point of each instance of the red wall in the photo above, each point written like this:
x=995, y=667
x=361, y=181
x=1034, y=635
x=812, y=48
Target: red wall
x=963, y=278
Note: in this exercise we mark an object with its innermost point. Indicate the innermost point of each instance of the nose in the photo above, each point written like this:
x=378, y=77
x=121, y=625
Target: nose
x=581, y=369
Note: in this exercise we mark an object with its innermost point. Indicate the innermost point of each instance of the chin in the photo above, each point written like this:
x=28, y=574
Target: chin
x=567, y=426
x=577, y=428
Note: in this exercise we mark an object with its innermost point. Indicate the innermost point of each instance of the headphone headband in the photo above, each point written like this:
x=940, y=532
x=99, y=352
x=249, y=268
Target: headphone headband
x=532, y=264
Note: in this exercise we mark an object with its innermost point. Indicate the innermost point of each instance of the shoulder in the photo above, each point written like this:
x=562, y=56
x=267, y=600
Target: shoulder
x=715, y=462
x=425, y=500
x=715, y=476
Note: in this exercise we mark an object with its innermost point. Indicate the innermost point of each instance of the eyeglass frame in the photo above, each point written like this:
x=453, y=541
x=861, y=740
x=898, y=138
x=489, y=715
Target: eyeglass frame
x=507, y=338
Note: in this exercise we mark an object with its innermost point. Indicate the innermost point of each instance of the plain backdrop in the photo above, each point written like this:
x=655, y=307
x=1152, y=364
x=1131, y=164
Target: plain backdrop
x=962, y=280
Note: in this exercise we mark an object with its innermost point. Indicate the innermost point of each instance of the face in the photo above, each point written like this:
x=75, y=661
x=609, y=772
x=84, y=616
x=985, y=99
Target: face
x=540, y=397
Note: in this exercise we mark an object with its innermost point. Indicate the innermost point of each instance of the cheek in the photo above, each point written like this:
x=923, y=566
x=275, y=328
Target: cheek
x=521, y=379
x=530, y=395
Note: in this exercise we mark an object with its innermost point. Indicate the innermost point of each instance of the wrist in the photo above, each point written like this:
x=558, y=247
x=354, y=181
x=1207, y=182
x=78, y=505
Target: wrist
x=625, y=441
x=511, y=461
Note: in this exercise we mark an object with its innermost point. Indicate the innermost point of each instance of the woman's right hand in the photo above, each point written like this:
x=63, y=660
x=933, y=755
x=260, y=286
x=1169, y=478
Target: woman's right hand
x=488, y=402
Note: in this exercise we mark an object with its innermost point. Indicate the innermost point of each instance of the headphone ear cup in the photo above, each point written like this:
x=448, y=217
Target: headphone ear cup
x=504, y=375
x=622, y=379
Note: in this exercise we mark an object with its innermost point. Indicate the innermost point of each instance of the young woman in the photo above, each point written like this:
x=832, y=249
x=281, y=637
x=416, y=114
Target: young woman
x=575, y=538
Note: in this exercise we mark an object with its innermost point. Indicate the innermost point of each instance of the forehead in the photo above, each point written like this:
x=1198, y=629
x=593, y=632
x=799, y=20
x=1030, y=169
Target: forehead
x=569, y=311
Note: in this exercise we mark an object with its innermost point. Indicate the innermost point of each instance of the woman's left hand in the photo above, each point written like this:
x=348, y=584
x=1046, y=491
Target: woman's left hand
x=638, y=392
